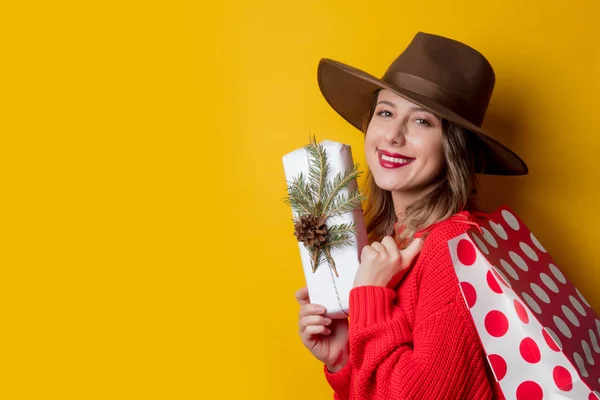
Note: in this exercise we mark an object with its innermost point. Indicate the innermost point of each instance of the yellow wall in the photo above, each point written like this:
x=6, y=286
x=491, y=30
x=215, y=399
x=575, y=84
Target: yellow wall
x=146, y=251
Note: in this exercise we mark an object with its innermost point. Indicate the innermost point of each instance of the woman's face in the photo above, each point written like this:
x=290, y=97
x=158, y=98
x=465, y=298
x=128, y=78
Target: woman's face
x=403, y=146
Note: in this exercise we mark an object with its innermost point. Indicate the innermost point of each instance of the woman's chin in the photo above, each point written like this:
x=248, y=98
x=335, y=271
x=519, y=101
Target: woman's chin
x=388, y=184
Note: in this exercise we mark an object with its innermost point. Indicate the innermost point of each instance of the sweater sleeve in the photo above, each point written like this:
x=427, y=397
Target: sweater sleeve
x=438, y=358
x=340, y=381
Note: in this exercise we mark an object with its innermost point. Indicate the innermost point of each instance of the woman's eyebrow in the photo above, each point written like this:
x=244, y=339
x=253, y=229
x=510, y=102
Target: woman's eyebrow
x=421, y=109
x=389, y=103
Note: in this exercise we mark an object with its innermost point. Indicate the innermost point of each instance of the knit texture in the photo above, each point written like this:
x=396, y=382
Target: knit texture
x=418, y=341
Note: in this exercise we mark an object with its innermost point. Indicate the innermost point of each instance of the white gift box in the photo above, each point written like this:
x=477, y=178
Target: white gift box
x=540, y=335
x=324, y=287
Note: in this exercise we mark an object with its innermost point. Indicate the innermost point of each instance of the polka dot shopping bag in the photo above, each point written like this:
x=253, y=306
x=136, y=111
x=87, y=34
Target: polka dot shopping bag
x=541, y=337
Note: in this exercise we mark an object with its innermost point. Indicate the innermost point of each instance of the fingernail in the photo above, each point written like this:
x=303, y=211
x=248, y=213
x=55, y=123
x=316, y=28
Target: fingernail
x=320, y=309
x=327, y=321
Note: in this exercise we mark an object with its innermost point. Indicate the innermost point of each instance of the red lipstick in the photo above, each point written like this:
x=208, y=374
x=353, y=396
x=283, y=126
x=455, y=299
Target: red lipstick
x=393, y=160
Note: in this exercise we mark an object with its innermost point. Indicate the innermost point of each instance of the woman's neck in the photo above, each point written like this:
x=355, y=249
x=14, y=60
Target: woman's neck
x=402, y=200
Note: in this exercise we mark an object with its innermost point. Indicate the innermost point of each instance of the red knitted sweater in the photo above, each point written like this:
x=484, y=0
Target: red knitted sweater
x=418, y=341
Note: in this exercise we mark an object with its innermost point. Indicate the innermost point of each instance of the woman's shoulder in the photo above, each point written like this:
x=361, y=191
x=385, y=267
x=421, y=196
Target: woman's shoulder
x=435, y=256
x=435, y=273
x=441, y=232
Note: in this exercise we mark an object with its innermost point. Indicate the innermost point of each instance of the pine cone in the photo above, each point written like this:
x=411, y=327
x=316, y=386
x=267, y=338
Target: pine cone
x=311, y=230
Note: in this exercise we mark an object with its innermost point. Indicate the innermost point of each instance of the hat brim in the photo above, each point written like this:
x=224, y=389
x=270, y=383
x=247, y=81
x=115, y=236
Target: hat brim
x=349, y=92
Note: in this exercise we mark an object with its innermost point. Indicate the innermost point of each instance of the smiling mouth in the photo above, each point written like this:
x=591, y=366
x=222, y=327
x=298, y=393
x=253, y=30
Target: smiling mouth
x=396, y=161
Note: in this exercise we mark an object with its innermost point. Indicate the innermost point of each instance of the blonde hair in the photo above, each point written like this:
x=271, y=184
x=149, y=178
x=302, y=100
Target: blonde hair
x=456, y=189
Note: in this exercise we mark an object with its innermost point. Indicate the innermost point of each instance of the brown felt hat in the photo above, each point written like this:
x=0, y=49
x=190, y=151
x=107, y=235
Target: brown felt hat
x=447, y=77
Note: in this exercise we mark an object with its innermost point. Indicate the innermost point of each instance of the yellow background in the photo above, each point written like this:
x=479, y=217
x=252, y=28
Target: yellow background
x=146, y=252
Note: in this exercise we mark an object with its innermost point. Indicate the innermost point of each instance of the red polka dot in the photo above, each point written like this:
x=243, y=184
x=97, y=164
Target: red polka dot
x=498, y=365
x=466, y=252
x=521, y=312
x=562, y=378
x=500, y=278
x=549, y=341
x=496, y=323
x=592, y=396
x=529, y=390
x=469, y=292
x=530, y=351
x=493, y=283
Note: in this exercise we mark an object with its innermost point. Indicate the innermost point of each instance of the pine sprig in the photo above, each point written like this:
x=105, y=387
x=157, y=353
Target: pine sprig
x=300, y=196
x=340, y=232
x=330, y=261
x=340, y=181
x=339, y=243
x=317, y=257
x=317, y=173
x=345, y=203
x=315, y=196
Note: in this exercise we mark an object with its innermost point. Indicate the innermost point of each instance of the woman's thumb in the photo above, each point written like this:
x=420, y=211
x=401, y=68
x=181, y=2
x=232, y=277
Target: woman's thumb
x=412, y=251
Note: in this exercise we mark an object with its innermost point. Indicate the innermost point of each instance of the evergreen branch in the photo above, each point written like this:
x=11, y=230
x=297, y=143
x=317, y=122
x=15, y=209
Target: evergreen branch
x=338, y=243
x=303, y=186
x=312, y=195
x=330, y=261
x=316, y=257
x=341, y=181
x=345, y=203
x=340, y=229
x=299, y=196
x=317, y=175
x=338, y=238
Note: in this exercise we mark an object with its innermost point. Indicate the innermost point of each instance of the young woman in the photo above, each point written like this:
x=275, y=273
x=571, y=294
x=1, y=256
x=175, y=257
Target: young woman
x=410, y=335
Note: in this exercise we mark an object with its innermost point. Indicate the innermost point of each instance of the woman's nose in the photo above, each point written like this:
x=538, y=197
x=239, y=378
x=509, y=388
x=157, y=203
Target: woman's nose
x=395, y=136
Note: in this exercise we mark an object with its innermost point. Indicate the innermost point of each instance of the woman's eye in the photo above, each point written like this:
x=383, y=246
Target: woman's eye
x=422, y=121
x=384, y=113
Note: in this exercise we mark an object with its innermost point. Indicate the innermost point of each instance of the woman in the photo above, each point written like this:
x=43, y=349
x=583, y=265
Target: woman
x=410, y=334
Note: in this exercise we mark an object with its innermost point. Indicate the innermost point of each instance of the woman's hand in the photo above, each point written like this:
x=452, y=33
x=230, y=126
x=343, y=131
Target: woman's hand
x=326, y=339
x=383, y=264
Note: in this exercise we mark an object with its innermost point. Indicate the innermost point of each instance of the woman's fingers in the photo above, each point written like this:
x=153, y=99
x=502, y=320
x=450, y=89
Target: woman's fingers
x=413, y=250
x=302, y=296
x=311, y=309
x=379, y=247
x=390, y=246
x=367, y=253
x=315, y=330
x=312, y=320
x=310, y=314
